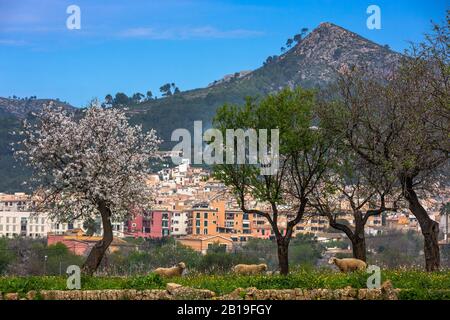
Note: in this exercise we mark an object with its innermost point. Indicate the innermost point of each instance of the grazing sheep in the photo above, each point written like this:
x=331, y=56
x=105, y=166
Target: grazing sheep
x=348, y=264
x=171, y=272
x=247, y=269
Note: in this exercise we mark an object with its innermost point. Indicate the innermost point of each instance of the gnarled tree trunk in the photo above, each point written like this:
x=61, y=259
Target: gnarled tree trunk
x=283, y=255
x=359, y=247
x=359, y=239
x=429, y=227
x=98, y=251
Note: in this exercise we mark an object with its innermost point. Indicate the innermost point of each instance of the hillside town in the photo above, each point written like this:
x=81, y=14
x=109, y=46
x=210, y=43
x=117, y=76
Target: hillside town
x=197, y=211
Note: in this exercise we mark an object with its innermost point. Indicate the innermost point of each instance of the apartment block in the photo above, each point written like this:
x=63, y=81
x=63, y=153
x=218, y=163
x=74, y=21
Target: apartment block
x=150, y=224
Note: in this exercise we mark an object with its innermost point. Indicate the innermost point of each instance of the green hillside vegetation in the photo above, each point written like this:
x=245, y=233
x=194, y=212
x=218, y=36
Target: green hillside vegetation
x=311, y=63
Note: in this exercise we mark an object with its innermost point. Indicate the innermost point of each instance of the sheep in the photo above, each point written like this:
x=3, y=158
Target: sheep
x=171, y=272
x=248, y=269
x=348, y=264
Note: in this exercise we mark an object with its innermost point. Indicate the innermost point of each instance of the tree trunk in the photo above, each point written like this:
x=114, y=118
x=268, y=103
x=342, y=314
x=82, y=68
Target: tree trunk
x=429, y=228
x=359, y=239
x=359, y=247
x=283, y=258
x=98, y=251
x=430, y=231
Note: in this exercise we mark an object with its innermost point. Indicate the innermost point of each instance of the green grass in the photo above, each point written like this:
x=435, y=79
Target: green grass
x=419, y=284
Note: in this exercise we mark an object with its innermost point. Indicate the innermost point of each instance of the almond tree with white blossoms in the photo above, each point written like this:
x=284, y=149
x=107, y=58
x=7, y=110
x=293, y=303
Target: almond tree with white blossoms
x=86, y=166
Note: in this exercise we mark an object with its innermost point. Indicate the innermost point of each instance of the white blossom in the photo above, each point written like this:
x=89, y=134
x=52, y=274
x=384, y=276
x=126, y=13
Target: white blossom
x=79, y=161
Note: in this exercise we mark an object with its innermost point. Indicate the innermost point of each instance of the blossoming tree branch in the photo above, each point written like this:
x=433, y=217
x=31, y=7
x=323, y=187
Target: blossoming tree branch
x=86, y=166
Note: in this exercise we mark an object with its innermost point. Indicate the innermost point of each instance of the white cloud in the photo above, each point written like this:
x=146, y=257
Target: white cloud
x=205, y=32
x=11, y=42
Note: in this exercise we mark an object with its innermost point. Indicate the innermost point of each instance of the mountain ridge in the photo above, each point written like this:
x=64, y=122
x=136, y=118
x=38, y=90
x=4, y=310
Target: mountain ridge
x=312, y=63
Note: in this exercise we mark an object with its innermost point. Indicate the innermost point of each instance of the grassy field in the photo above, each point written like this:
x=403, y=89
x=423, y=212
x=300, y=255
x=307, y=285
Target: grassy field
x=420, y=284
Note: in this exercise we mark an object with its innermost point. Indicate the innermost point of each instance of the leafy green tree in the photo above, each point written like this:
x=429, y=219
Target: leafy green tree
x=109, y=100
x=166, y=90
x=6, y=255
x=394, y=249
x=303, y=155
x=218, y=260
x=58, y=258
x=137, y=97
x=121, y=99
x=289, y=42
x=305, y=250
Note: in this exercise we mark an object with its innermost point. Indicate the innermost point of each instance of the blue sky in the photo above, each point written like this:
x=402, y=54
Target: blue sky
x=135, y=46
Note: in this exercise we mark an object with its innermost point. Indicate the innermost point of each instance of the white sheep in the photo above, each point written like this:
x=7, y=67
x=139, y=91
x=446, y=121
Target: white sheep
x=348, y=264
x=171, y=272
x=248, y=269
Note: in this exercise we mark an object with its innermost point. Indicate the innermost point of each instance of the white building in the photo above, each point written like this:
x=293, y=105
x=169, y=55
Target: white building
x=18, y=219
x=178, y=223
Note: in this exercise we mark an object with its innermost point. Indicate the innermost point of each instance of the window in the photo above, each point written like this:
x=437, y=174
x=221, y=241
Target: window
x=205, y=231
x=205, y=215
x=197, y=230
x=205, y=223
x=198, y=215
x=197, y=223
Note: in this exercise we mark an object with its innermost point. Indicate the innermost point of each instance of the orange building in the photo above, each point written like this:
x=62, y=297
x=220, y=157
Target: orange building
x=202, y=220
x=202, y=243
x=81, y=244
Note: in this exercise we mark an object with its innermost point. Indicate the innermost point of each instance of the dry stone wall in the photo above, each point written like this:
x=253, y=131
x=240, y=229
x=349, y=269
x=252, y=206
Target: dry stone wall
x=175, y=291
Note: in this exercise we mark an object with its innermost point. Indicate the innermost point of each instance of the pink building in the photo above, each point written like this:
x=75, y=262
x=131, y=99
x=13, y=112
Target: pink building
x=79, y=247
x=152, y=224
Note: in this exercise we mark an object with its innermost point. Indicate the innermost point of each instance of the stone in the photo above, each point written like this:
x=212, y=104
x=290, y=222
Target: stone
x=236, y=294
x=11, y=296
x=388, y=292
x=172, y=287
x=31, y=295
